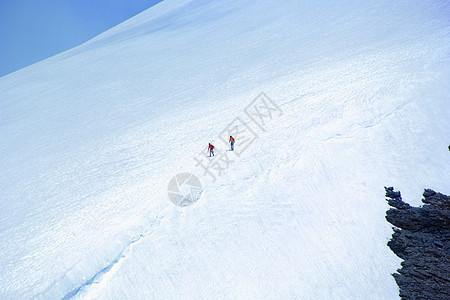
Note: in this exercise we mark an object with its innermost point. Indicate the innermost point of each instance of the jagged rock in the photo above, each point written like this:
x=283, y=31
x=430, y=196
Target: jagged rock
x=395, y=198
x=438, y=244
x=428, y=193
x=422, y=239
x=436, y=199
x=391, y=193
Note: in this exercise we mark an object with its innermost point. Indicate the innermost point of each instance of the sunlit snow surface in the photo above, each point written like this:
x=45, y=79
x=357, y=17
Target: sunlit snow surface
x=90, y=139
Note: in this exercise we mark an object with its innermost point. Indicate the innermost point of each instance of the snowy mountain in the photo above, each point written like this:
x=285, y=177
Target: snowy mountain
x=357, y=93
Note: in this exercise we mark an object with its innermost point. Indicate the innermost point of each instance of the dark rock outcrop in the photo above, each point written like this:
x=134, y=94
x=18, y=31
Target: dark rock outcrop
x=422, y=239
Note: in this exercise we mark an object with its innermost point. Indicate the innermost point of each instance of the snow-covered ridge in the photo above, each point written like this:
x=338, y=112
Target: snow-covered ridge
x=91, y=138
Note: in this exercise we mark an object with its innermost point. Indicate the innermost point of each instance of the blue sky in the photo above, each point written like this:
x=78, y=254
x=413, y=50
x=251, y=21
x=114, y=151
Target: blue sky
x=32, y=30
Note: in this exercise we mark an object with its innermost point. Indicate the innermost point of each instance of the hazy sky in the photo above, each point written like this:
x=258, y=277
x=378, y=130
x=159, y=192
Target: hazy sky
x=32, y=30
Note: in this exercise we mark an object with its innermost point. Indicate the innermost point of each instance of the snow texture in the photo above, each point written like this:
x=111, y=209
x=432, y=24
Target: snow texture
x=92, y=137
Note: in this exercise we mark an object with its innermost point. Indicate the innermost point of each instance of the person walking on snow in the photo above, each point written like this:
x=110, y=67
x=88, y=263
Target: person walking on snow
x=211, y=149
x=232, y=142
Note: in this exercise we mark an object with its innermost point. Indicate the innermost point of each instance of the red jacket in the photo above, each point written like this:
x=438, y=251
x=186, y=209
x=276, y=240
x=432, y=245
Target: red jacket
x=211, y=147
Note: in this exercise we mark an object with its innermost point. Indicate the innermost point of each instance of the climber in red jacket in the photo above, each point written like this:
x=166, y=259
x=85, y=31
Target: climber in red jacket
x=211, y=149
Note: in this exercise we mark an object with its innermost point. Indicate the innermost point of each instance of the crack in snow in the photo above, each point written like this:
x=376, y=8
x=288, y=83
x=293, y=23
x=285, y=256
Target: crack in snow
x=100, y=274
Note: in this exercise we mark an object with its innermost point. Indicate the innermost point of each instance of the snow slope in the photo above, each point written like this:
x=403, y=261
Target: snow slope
x=91, y=138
